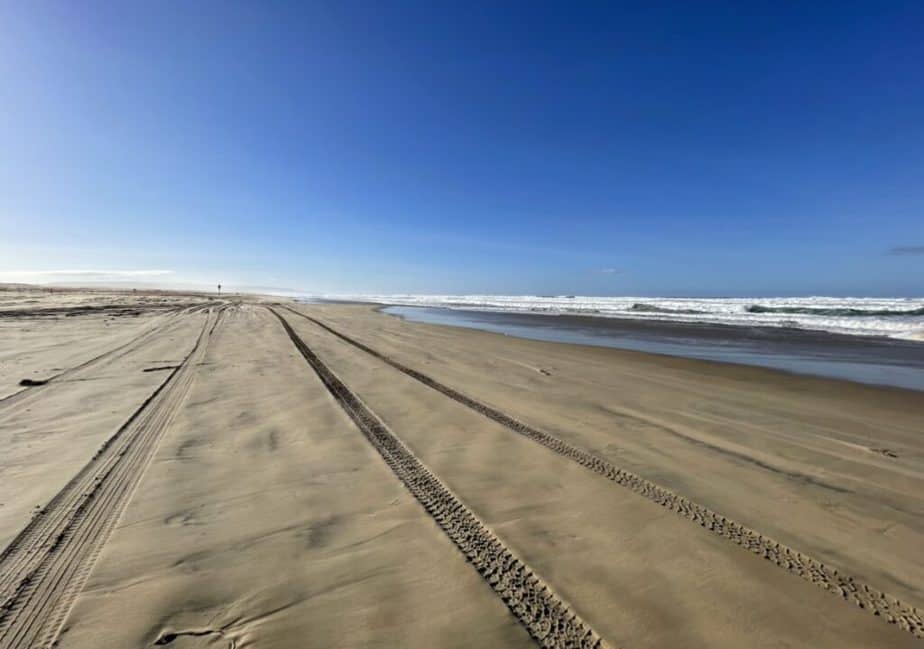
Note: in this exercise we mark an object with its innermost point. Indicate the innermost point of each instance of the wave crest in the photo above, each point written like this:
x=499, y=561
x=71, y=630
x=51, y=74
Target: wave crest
x=838, y=311
x=642, y=307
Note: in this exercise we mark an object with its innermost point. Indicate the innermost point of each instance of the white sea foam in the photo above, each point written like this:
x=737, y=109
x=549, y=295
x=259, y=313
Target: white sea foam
x=894, y=317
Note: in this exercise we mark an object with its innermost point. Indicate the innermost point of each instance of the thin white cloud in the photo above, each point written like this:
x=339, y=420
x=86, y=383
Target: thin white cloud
x=907, y=250
x=42, y=276
x=611, y=271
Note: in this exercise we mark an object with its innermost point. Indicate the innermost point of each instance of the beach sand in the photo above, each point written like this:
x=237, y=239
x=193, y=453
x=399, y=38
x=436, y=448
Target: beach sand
x=270, y=483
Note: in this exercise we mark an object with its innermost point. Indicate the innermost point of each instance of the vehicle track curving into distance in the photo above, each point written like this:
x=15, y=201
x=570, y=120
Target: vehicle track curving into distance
x=45, y=567
x=845, y=586
x=550, y=621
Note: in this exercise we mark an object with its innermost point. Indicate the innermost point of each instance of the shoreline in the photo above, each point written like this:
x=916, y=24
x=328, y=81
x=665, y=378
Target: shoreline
x=868, y=360
x=899, y=318
x=641, y=323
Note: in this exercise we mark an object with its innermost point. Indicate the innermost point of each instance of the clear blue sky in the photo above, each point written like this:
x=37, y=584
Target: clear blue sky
x=680, y=148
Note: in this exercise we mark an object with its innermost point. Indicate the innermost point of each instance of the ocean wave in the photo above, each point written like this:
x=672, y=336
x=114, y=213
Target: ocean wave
x=894, y=317
x=641, y=307
x=838, y=311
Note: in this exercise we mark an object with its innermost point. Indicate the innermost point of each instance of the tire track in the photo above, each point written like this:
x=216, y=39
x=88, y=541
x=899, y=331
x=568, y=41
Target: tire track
x=847, y=587
x=45, y=567
x=544, y=615
x=109, y=355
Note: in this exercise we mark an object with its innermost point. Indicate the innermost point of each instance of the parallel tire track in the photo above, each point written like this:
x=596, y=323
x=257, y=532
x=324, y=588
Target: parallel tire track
x=107, y=356
x=547, y=618
x=847, y=587
x=44, y=568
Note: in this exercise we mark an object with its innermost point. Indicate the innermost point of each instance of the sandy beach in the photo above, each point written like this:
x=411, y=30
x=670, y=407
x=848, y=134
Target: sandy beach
x=194, y=470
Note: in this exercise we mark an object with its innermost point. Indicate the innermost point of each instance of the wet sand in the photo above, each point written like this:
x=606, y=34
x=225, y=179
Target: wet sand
x=412, y=485
x=875, y=360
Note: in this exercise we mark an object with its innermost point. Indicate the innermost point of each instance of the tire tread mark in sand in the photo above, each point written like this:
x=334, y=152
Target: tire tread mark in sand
x=109, y=355
x=15, y=545
x=44, y=568
x=637, y=420
x=847, y=587
x=545, y=616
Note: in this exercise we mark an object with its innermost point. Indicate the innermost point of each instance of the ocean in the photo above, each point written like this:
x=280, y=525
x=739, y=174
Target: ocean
x=867, y=340
x=892, y=317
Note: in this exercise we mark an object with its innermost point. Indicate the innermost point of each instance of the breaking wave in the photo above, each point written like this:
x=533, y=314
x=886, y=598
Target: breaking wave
x=843, y=311
x=641, y=307
x=894, y=317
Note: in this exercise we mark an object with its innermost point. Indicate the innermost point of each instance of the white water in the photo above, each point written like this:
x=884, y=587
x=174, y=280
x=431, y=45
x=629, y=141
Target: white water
x=729, y=311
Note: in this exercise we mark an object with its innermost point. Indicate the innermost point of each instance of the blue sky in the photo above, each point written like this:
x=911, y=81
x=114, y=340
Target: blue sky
x=612, y=149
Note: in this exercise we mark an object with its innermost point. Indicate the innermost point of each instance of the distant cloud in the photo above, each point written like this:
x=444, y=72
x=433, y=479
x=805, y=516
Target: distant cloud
x=40, y=276
x=907, y=250
x=265, y=290
x=611, y=271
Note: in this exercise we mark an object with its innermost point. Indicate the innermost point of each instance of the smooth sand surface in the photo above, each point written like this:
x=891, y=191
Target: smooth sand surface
x=48, y=432
x=264, y=518
x=830, y=467
x=275, y=523
x=41, y=347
